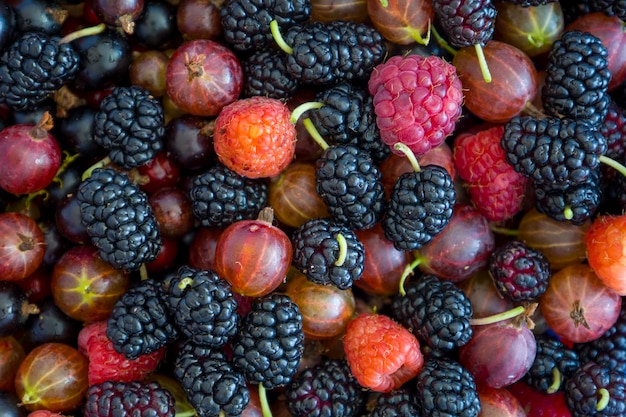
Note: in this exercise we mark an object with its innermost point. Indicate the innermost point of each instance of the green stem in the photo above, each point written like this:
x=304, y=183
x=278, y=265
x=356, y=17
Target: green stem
x=69, y=158
x=399, y=146
x=408, y=270
x=605, y=396
x=28, y=199
x=88, y=31
x=568, y=213
x=101, y=163
x=495, y=318
x=556, y=381
x=315, y=134
x=143, y=272
x=303, y=108
x=265, y=405
x=442, y=42
x=278, y=38
x=343, y=249
x=417, y=37
x=482, y=62
x=613, y=164
x=504, y=231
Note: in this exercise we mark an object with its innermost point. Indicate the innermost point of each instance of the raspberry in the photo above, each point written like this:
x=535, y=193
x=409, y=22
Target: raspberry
x=382, y=354
x=254, y=137
x=417, y=101
x=606, y=248
x=106, y=364
x=495, y=188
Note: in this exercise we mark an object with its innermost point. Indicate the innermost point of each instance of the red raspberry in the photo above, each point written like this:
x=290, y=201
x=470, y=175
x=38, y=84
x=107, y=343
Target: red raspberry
x=605, y=242
x=381, y=353
x=417, y=101
x=105, y=364
x=495, y=188
x=255, y=137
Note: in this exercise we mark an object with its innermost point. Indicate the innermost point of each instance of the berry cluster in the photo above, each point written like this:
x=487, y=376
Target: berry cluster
x=222, y=209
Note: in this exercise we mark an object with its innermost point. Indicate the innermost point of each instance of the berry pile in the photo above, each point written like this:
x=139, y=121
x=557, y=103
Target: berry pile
x=272, y=207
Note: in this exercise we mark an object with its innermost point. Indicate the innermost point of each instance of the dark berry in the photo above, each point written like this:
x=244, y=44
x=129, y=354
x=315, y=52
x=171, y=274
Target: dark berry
x=595, y=390
x=325, y=390
x=553, y=364
x=116, y=398
x=119, y=219
x=131, y=125
x=220, y=197
x=350, y=183
x=140, y=322
x=466, y=22
x=203, y=306
x=269, y=346
x=577, y=78
x=446, y=388
x=437, y=312
x=318, y=253
x=520, y=272
x=33, y=67
x=420, y=207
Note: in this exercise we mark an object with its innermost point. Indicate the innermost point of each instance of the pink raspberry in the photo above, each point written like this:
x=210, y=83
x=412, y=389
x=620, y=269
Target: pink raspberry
x=495, y=188
x=417, y=101
x=105, y=364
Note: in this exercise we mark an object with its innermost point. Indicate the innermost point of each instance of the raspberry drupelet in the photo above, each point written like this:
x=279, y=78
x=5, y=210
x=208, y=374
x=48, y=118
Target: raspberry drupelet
x=382, y=354
x=417, y=101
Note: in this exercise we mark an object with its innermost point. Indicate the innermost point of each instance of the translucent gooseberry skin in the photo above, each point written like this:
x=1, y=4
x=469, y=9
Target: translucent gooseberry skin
x=561, y=242
x=293, y=196
x=254, y=256
x=514, y=81
x=52, y=376
x=384, y=264
x=84, y=286
x=326, y=310
x=11, y=355
x=203, y=76
x=578, y=306
x=461, y=249
x=499, y=354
